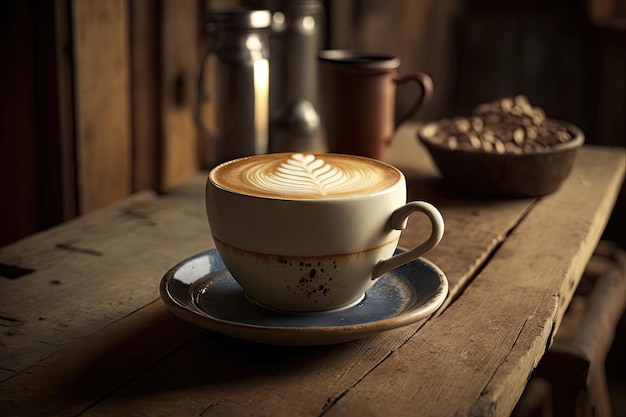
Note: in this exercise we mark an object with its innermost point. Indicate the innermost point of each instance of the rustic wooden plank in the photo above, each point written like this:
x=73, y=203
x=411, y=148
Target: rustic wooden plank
x=95, y=366
x=221, y=376
x=179, y=65
x=588, y=176
x=115, y=370
x=457, y=363
x=93, y=270
x=442, y=372
x=481, y=350
x=102, y=101
x=145, y=99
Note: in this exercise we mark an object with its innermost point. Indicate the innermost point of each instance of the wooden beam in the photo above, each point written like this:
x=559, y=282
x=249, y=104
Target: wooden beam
x=179, y=66
x=101, y=58
x=18, y=137
x=144, y=38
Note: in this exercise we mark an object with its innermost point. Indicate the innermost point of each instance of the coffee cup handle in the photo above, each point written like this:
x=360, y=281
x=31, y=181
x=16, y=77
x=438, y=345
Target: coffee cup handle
x=426, y=83
x=398, y=221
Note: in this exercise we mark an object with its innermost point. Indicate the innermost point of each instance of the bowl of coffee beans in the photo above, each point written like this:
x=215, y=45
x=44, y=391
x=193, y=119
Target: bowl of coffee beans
x=506, y=147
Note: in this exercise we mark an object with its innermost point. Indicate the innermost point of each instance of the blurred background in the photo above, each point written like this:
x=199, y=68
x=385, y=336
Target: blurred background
x=98, y=96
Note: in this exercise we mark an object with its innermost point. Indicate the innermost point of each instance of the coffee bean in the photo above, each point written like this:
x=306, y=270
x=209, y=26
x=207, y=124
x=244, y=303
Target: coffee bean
x=519, y=136
x=488, y=136
x=506, y=104
x=508, y=125
x=474, y=141
x=477, y=124
x=499, y=146
x=462, y=125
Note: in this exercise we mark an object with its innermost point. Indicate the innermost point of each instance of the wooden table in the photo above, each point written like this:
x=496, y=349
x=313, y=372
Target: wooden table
x=85, y=333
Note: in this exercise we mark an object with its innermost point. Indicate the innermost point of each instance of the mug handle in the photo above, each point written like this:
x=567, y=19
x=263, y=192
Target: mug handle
x=426, y=83
x=398, y=221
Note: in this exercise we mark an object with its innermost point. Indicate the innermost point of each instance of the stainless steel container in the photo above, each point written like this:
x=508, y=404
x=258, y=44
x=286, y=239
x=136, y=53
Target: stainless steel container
x=296, y=38
x=240, y=82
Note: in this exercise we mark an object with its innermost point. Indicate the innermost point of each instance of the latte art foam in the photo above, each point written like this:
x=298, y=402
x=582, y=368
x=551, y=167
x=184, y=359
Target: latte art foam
x=309, y=175
x=300, y=176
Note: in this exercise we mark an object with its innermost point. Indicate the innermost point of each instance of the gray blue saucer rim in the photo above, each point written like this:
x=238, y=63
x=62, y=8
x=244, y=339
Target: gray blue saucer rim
x=201, y=291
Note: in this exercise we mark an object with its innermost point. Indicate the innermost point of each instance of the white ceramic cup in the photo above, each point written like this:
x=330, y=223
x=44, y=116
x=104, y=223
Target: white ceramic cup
x=307, y=233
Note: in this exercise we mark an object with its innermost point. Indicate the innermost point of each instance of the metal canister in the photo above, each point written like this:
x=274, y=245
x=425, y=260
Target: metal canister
x=295, y=40
x=297, y=28
x=241, y=82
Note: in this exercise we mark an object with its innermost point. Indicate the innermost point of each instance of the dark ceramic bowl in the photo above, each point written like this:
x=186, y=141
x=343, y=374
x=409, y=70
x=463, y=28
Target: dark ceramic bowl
x=505, y=174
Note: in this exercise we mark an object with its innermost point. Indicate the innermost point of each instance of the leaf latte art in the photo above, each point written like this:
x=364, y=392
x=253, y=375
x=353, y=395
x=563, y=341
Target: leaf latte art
x=309, y=175
x=305, y=176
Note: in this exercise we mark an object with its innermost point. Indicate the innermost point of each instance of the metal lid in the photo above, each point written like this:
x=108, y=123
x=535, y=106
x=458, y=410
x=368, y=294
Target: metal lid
x=238, y=19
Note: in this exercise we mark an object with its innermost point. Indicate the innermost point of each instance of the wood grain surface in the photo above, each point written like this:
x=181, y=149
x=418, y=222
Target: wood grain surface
x=85, y=333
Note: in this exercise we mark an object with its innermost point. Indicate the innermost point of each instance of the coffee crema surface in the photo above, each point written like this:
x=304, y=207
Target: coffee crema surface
x=305, y=176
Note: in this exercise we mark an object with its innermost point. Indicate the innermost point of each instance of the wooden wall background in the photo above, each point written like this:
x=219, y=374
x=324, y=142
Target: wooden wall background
x=97, y=96
x=97, y=103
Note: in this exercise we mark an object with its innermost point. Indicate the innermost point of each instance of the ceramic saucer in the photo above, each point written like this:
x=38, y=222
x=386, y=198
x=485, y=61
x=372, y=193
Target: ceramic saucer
x=202, y=291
